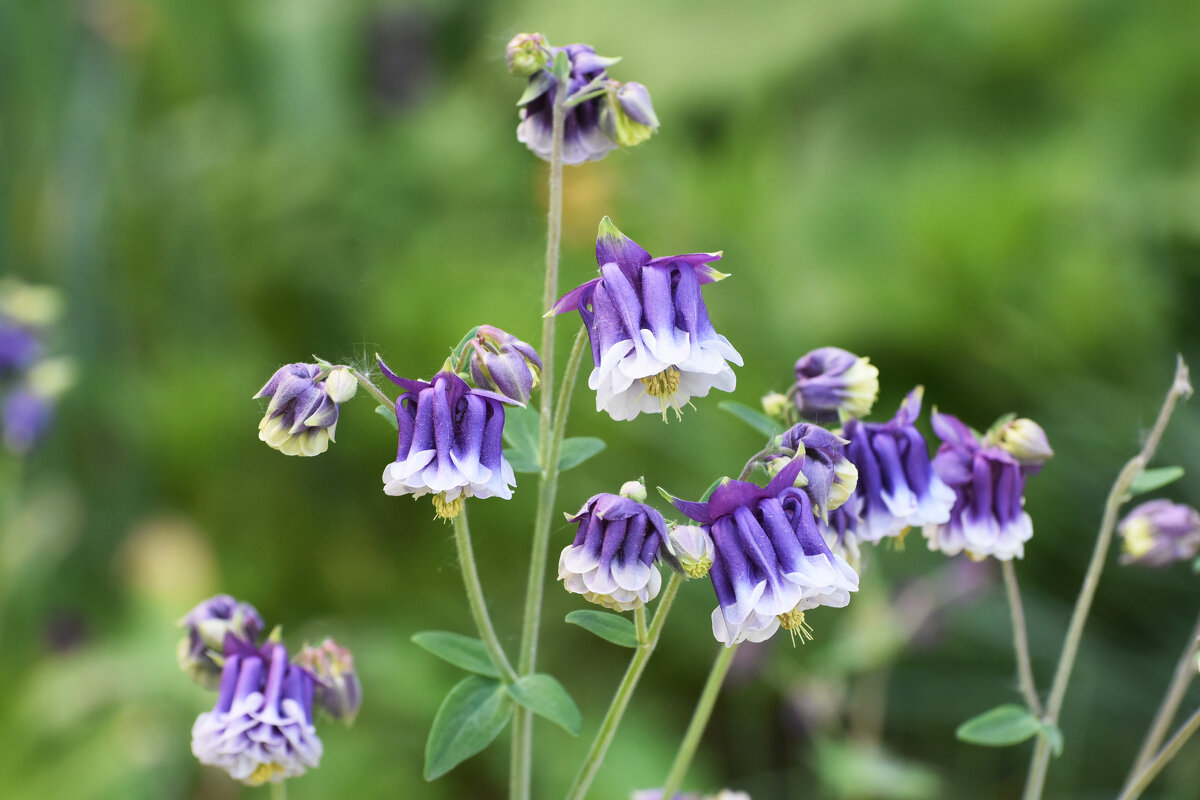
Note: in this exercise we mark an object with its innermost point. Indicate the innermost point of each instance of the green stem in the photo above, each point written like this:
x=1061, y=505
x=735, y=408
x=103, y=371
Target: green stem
x=372, y=389
x=1020, y=638
x=279, y=791
x=1185, y=671
x=608, y=727
x=639, y=624
x=483, y=623
x=704, y=707
x=1152, y=769
x=1112, y=506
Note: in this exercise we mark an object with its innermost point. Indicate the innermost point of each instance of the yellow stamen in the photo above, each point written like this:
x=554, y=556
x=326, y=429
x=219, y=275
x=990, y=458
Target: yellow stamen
x=664, y=386
x=1139, y=537
x=898, y=542
x=263, y=773
x=447, y=509
x=793, y=622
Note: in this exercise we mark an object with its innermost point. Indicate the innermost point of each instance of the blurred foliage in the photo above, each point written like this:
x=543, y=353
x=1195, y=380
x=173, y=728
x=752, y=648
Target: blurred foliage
x=995, y=200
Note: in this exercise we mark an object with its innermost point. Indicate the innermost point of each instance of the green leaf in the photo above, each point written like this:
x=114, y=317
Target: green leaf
x=1000, y=727
x=755, y=419
x=1151, y=479
x=521, y=461
x=1054, y=738
x=522, y=427
x=470, y=717
x=546, y=697
x=456, y=353
x=577, y=450
x=389, y=414
x=461, y=651
x=562, y=67
x=610, y=627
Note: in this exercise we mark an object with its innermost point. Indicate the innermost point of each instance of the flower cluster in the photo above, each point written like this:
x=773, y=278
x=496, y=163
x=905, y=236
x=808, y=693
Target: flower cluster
x=302, y=414
x=602, y=114
x=261, y=727
x=653, y=346
x=30, y=381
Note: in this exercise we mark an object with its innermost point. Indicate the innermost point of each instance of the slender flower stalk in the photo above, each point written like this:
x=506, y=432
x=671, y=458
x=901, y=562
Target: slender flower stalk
x=620, y=701
x=279, y=791
x=1185, y=671
x=1180, y=388
x=521, y=762
x=373, y=390
x=1020, y=638
x=704, y=707
x=1152, y=769
x=483, y=622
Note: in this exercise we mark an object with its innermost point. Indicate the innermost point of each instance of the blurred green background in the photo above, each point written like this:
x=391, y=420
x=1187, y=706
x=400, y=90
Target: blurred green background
x=997, y=200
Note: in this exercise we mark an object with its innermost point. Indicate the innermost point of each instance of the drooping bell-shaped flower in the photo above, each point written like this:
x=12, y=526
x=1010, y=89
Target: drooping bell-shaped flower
x=653, y=345
x=1159, y=533
x=450, y=442
x=301, y=418
x=897, y=487
x=771, y=563
x=831, y=382
x=500, y=362
x=208, y=625
x=261, y=727
x=338, y=690
x=988, y=517
x=611, y=561
x=830, y=476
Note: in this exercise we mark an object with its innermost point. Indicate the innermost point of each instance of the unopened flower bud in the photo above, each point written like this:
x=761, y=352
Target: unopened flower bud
x=845, y=480
x=1025, y=440
x=526, y=54
x=1159, y=533
x=338, y=689
x=629, y=114
x=775, y=404
x=634, y=490
x=302, y=416
x=832, y=382
x=208, y=624
x=340, y=384
x=692, y=548
x=500, y=362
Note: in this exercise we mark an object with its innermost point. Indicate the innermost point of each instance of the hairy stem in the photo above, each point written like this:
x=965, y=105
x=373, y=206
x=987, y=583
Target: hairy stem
x=704, y=707
x=372, y=389
x=1150, y=772
x=1020, y=638
x=1180, y=387
x=483, y=623
x=608, y=727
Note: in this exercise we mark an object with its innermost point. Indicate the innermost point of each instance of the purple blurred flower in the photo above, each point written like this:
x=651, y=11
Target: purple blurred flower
x=611, y=561
x=26, y=416
x=302, y=416
x=988, y=518
x=771, y=562
x=338, y=690
x=653, y=346
x=450, y=443
x=500, y=362
x=207, y=626
x=18, y=347
x=897, y=487
x=261, y=727
x=832, y=382
x=1159, y=533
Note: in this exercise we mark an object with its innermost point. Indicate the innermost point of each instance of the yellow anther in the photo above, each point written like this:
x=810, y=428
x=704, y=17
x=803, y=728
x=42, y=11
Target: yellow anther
x=263, y=773
x=448, y=509
x=793, y=622
x=664, y=386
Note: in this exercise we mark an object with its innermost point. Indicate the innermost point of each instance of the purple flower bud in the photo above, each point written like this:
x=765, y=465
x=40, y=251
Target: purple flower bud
x=26, y=417
x=208, y=625
x=500, y=362
x=338, y=689
x=628, y=116
x=526, y=54
x=1159, y=533
x=832, y=382
x=302, y=416
x=18, y=347
x=988, y=516
x=830, y=477
x=771, y=564
x=653, y=346
x=450, y=443
x=261, y=726
x=611, y=562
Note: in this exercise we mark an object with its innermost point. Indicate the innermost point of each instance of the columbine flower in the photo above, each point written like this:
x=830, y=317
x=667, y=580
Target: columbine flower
x=611, y=562
x=618, y=115
x=338, y=690
x=771, y=562
x=1025, y=440
x=832, y=382
x=302, y=416
x=500, y=362
x=1159, y=533
x=261, y=727
x=653, y=346
x=450, y=443
x=839, y=533
x=897, y=487
x=830, y=476
x=988, y=518
x=208, y=625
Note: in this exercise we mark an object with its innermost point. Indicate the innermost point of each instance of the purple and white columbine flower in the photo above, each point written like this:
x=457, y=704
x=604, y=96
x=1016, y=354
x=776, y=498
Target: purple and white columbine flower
x=653, y=346
x=832, y=382
x=1159, y=533
x=897, y=487
x=301, y=418
x=450, y=442
x=611, y=561
x=208, y=625
x=771, y=563
x=261, y=728
x=988, y=517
